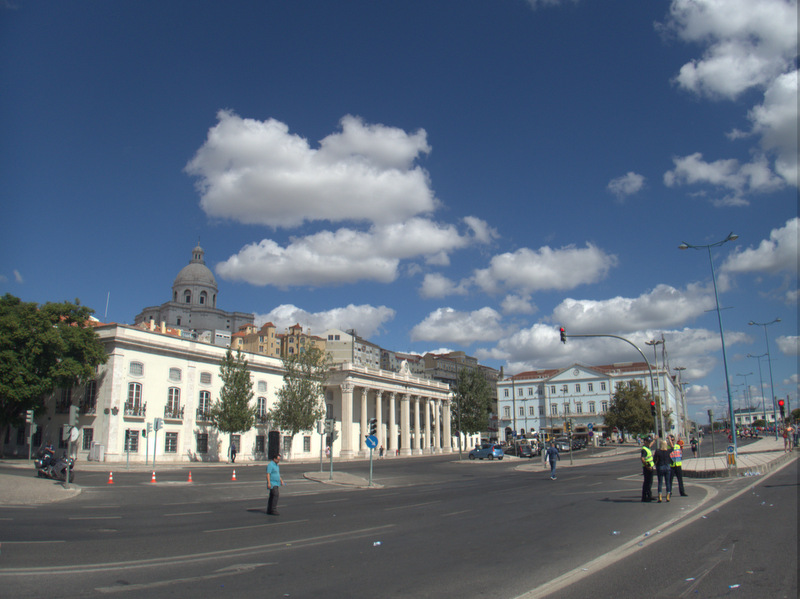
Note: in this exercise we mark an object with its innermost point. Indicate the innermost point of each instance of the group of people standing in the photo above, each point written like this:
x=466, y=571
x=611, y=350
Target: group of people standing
x=666, y=463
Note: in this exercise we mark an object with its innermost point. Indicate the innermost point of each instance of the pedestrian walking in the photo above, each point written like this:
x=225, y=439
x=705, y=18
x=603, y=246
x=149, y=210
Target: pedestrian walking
x=647, y=469
x=663, y=462
x=380, y=452
x=676, y=469
x=233, y=453
x=551, y=455
x=693, y=443
x=274, y=484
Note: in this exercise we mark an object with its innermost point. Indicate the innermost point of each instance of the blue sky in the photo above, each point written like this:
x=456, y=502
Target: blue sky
x=460, y=175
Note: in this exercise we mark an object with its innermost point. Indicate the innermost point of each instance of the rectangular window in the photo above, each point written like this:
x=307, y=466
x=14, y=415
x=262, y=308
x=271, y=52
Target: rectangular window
x=530, y=391
x=259, y=443
x=88, y=437
x=131, y=440
x=603, y=406
x=307, y=444
x=541, y=410
x=554, y=409
x=205, y=378
x=262, y=386
x=171, y=443
x=175, y=374
x=566, y=408
x=202, y=442
x=591, y=407
x=531, y=410
x=552, y=389
x=577, y=387
x=505, y=392
x=602, y=386
x=521, y=411
x=134, y=405
x=591, y=386
x=506, y=412
x=564, y=389
x=137, y=369
x=90, y=398
x=578, y=407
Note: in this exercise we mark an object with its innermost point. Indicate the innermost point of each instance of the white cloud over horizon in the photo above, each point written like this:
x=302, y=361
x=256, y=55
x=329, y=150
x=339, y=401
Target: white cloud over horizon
x=365, y=319
x=626, y=185
x=447, y=325
x=777, y=254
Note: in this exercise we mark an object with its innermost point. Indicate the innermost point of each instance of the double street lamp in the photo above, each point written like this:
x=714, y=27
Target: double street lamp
x=654, y=343
x=769, y=361
x=686, y=246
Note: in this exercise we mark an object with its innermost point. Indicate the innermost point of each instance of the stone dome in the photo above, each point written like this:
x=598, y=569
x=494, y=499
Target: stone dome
x=195, y=276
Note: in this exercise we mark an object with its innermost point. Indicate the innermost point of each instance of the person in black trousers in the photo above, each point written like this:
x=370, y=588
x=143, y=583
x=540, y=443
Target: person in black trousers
x=647, y=469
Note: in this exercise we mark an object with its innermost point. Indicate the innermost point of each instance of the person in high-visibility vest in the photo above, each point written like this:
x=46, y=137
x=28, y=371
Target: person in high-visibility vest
x=648, y=468
x=676, y=470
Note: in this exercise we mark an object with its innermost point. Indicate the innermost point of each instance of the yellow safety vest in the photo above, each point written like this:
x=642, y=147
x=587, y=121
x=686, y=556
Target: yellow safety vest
x=676, y=455
x=648, y=459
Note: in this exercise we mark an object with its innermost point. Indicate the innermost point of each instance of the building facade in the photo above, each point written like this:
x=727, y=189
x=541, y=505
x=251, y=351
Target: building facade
x=193, y=305
x=542, y=401
x=153, y=374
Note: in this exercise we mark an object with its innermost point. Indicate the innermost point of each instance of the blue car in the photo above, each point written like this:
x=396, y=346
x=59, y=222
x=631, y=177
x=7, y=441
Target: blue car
x=487, y=450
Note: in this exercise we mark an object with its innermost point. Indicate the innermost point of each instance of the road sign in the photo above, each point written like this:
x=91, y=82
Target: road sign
x=730, y=449
x=74, y=434
x=372, y=441
x=591, y=426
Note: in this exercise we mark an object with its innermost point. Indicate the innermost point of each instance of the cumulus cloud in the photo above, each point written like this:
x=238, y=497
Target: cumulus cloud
x=342, y=256
x=626, y=185
x=518, y=304
x=739, y=179
x=447, y=325
x=365, y=319
x=777, y=254
x=435, y=285
x=664, y=306
x=18, y=277
x=257, y=172
x=528, y=270
x=775, y=120
x=788, y=344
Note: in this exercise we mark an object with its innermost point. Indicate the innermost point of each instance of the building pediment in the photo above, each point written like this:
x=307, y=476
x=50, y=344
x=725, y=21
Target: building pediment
x=576, y=372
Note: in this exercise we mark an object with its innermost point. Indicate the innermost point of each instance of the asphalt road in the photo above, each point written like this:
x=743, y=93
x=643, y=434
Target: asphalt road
x=437, y=528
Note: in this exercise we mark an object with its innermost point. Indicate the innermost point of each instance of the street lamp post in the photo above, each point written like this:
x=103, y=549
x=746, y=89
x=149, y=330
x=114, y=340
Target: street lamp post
x=769, y=361
x=680, y=370
x=747, y=396
x=685, y=246
x=761, y=378
x=654, y=343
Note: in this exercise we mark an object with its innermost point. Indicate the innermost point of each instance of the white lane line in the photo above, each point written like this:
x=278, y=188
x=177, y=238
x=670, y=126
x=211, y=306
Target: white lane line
x=405, y=507
x=457, y=513
x=94, y=518
x=98, y=507
x=187, y=514
x=255, y=526
x=231, y=571
x=333, y=500
x=29, y=542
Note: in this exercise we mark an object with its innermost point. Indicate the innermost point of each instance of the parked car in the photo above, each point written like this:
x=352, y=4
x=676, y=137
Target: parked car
x=487, y=450
x=563, y=444
x=522, y=450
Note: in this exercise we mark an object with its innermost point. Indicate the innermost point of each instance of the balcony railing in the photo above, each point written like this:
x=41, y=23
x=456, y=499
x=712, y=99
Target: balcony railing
x=203, y=415
x=88, y=408
x=173, y=412
x=135, y=411
x=262, y=418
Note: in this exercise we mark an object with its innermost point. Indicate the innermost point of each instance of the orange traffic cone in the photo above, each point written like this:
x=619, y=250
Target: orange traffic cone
x=110, y=478
x=153, y=479
x=234, y=475
x=190, y=476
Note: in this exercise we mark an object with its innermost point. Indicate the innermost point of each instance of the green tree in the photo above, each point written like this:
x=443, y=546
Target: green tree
x=629, y=410
x=233, y=412
x=472, y=403
x=300, y=402
x=42, y=349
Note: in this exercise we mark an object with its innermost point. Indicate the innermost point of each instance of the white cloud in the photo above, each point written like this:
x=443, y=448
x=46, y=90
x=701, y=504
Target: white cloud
x=775, y=120
x=788, y=344
x=18, y=277
x=365, y=319
x=529, y=270
x=739, y=179
x=257, y=172
x=626, y=185
x=540, y=3
x=776, y=254
x=447, y=325
x=342, y=256
x=518, y=304
x=436, y=285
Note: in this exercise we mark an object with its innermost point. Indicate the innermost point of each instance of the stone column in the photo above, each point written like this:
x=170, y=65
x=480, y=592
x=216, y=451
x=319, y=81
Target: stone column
x=362, y=438
x=379, y=418
x=418, y=444
x=346, y=439
x=392, y=441
x=405, y=424
x=447, y=436
x=428, y=445
x=437, y=429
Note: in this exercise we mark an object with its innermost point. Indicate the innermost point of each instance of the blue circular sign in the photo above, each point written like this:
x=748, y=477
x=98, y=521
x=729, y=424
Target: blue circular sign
x=372, y=441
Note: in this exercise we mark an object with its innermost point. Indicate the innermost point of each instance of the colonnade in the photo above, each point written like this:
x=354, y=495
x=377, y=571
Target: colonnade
x=428, y=432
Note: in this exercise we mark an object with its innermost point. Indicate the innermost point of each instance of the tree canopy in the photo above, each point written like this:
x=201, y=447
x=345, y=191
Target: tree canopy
x=629, y=409
x=300, y=401
x=233, y=412
x=472, y=402
x=42, y=349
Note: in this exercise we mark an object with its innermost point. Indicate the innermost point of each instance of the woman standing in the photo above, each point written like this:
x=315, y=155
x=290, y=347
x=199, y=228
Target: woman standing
x=663, y=462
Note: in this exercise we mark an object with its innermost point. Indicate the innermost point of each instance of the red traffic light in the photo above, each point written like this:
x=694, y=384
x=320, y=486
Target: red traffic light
x=780, y=403
x=563, y=335
x=652, y=404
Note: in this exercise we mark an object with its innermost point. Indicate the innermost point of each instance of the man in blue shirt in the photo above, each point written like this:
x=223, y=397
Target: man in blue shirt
x=274, y=483
x=551, y=456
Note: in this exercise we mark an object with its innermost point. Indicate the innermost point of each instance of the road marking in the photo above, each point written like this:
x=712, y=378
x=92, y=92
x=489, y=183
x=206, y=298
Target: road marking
x=333, y=500
x=229, y=571
x=457, y=513
x=29, y=542
x=96, y=507
x=94, y=517
x=186, y=514
x=177, y=560
x=405, y=507
x=255, y=526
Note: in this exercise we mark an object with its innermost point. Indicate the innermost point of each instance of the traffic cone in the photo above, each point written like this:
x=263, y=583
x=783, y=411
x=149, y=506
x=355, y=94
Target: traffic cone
x=234, y=475
x=190, y=476
x=153, y=479
x=110, y=478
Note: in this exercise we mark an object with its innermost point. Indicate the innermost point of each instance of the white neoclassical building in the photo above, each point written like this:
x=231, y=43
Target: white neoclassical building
x=155, y=373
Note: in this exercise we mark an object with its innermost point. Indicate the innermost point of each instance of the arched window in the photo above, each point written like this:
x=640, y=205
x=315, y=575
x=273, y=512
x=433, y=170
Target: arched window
x=204, y=405
x=187, y=296
x=173, y=400
x=133, y=407
x=203, y=297
x=262, y=407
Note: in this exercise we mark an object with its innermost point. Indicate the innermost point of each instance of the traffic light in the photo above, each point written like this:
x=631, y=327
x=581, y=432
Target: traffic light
x=29, y=416
x=652, y=407
x=73, y=415
x=373, y=426
x=563, y=335
x=781, y=404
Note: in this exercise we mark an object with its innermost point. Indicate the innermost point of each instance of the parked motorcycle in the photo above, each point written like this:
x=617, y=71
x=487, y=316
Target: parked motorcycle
x=48, y=466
